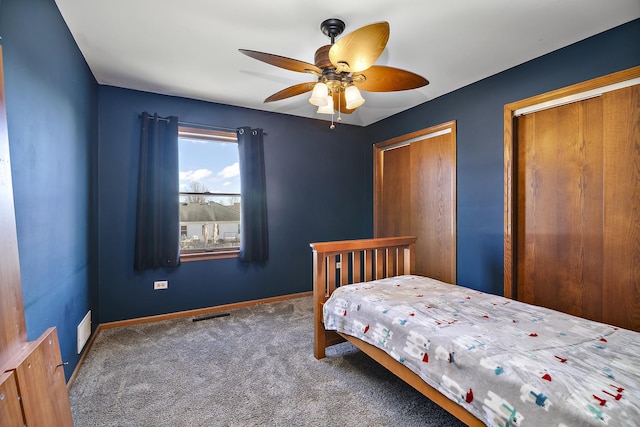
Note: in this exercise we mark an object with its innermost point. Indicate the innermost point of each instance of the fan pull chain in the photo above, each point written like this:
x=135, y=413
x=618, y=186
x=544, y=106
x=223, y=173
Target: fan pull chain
x=332, y=125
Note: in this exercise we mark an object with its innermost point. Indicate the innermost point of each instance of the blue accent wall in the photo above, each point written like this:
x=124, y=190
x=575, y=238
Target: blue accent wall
x=478, y=111
x=51, y=100
x=314, y=180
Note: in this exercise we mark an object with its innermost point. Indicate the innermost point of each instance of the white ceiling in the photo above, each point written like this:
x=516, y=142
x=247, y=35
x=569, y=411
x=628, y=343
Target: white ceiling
x=190, y=48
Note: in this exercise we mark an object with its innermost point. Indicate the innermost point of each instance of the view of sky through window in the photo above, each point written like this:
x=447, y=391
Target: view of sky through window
x=210, y=163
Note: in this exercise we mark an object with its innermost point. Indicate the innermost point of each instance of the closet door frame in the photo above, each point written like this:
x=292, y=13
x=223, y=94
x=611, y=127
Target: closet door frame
x=511, y=155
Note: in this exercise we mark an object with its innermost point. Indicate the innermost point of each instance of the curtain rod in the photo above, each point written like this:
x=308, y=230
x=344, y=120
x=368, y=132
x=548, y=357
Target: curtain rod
x=201, y=125
x=211, y=127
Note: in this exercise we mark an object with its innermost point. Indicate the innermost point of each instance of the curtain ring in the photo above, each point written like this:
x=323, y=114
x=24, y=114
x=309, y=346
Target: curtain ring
x=254, y=132
x=240, y=131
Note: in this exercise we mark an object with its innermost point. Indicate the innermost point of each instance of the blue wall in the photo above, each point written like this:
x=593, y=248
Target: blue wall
x=51, y=112
x=478, y=110
x=314, y=177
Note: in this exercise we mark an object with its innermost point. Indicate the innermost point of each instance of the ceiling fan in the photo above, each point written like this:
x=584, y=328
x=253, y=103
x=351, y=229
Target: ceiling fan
x=342, y=68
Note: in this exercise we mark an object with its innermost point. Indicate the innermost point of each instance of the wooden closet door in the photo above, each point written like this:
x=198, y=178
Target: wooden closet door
x=415, y=195
x=433, y=206
x=559, y=219
x=578, y=210
x=621, y=282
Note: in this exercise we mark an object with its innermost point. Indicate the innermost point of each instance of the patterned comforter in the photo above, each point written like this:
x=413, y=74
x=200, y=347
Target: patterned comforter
x=507, y=362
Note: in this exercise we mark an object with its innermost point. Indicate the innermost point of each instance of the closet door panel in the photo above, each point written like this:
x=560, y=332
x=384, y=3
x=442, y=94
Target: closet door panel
x=433, y=205
x=560, y=208
x=621, y=285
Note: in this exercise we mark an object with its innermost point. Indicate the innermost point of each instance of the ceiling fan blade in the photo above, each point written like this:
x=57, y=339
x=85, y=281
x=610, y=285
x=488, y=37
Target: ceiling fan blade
x=340, y=102
x=358, y=50
x=291, y=91
x=282, y=62
x=380, y=78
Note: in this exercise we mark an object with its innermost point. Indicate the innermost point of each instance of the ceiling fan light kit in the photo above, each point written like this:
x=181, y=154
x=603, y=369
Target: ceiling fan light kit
x=353, y=97
x=342, y=66
x=328, y=108
x=319, y=95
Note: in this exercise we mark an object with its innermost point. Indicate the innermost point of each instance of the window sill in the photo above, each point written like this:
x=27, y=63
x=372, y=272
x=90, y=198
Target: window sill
x=201, y=256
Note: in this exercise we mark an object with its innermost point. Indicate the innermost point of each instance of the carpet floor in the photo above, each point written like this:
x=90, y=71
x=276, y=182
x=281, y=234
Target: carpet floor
x=254, y=367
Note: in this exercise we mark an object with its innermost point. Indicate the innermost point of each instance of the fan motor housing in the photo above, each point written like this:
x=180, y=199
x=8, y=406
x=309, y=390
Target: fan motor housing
x=321, y=58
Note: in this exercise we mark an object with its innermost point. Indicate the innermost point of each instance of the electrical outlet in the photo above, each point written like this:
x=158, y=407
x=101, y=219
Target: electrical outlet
x=160, y=284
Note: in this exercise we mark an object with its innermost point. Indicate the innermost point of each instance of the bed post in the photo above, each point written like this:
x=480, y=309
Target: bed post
x=410, y=259
x=319, y=297
x=339, y=263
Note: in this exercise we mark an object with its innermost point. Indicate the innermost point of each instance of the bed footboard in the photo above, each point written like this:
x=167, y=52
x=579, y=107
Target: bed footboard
x=353, y=261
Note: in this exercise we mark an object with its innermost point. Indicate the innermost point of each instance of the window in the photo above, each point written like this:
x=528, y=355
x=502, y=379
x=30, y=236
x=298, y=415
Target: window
x=209, y=194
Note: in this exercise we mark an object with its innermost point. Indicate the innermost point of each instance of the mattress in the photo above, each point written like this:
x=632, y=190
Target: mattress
x=506, y=362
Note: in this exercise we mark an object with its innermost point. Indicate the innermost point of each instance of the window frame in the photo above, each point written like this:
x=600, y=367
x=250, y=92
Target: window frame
x=217, y=136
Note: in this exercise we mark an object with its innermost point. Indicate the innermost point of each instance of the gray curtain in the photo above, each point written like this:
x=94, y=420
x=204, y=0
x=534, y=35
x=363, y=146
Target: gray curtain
x=254, y=236
x=157, y=241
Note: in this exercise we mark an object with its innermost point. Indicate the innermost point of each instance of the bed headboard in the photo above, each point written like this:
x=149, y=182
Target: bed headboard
x=354, y=261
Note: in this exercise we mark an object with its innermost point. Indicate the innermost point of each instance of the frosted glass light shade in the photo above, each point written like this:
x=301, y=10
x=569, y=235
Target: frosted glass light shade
x=327, y=109
x=319, y=95
x=353, y=98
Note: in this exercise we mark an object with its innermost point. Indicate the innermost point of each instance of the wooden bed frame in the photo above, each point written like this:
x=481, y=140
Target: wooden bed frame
x=355, y=261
